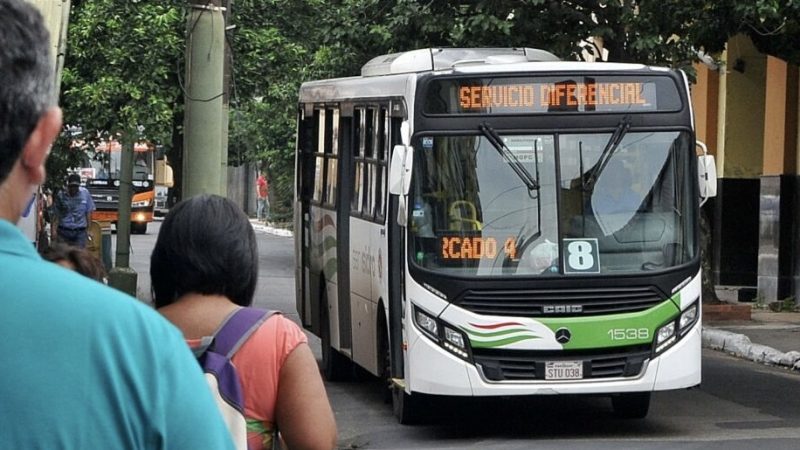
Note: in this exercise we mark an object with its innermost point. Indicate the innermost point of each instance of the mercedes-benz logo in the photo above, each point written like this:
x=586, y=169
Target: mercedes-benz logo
x=563, y=335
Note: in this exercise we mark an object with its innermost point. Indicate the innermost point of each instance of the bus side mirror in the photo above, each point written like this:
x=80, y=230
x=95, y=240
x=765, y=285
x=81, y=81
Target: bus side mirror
x=400, y=179
x=400, y=170
x=707, y=174
x=405, y=133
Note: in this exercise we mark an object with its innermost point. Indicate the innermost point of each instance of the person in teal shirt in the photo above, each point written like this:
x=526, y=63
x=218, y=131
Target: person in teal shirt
x=84, y=366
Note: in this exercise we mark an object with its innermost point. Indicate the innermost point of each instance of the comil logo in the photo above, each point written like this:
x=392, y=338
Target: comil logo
x=563, y=335
x=562, y=309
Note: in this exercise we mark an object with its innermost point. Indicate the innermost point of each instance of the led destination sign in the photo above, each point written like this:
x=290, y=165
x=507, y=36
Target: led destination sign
x=561, y=95
x=550, y=94
x=476, y=248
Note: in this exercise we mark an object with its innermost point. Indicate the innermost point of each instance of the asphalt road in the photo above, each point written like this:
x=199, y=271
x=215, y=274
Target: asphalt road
x=740, y=405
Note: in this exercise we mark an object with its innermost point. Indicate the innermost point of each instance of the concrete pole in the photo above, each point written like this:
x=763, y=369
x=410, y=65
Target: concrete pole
x=226, y=98
x=56, y=19
x=202, y=149
x=122, y=276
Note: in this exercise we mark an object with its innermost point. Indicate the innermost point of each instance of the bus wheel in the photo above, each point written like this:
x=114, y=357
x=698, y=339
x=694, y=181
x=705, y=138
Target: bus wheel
x=408, y=409
x=335, y=366
x=385, y=359
x=632, y=405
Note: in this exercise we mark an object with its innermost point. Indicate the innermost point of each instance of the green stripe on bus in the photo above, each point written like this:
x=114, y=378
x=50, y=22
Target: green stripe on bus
x=495, y=333
x=501, y=342
x=614, y=330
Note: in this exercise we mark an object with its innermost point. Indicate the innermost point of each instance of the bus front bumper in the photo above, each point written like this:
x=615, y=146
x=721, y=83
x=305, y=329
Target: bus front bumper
x=432, y=370
x=138, y=215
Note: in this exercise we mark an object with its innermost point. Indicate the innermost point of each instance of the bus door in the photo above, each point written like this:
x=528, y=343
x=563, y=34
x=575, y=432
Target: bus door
x=342, y=136
x=395, y=255
x=306, y=273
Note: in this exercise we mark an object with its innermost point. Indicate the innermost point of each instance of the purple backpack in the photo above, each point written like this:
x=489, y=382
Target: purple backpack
x=220, y=373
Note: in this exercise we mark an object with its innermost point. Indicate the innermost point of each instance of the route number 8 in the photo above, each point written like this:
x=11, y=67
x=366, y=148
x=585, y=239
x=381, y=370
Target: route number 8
x=582, y=255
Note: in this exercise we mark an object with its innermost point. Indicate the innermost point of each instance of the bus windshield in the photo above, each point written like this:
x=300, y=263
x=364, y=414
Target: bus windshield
x=626, y=211
x=104, y=164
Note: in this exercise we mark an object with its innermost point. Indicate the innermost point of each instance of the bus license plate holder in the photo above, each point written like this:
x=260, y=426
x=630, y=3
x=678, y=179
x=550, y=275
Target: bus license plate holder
x=563, y=370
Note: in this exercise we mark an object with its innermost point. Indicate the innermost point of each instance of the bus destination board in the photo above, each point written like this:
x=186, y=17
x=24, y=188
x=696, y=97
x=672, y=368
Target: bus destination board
x=549, y=94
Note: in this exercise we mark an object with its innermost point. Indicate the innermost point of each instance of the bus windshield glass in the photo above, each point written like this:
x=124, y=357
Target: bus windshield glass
x=104, y=163
x=473, y=214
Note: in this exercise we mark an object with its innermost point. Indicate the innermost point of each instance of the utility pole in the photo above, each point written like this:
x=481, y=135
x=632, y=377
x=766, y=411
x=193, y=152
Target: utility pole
x=203, y=92
x=122, y=276
x=56, y=19
x=226, y=97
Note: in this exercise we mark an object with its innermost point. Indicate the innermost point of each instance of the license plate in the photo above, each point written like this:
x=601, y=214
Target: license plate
x=563, y=370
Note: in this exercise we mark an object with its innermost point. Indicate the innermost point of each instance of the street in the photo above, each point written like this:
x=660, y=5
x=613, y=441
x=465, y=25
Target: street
x=740, y=405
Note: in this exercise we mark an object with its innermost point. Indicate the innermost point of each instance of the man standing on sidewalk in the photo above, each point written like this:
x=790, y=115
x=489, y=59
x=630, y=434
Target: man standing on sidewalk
x=262, y=190
x=73, y=213
x=84, y=366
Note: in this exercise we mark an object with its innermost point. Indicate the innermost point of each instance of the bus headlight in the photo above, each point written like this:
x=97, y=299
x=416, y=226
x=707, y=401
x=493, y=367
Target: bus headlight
x=671, y=332
x=427, y=324
x=688, y=318
x=665, y=336
x=455, y=342
x=447, y=336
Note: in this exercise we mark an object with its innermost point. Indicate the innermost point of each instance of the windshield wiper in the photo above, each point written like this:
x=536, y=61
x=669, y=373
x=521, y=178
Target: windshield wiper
x=497, y=142
x=611, y=146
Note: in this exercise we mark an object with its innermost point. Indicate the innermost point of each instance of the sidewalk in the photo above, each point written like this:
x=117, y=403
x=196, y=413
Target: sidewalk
x=261, y=226
x=769, y=337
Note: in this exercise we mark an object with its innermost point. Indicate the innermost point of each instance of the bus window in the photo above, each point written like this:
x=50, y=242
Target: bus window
x=331, y=147
x=472, y=214
x=358, y=161
x=319, y=165
x=637, y=212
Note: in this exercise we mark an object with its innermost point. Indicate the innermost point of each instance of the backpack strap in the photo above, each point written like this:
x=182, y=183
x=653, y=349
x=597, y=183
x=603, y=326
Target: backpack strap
x=236, y=328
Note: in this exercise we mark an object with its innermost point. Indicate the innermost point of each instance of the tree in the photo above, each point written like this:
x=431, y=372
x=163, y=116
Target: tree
x=278, y=44
x=274, y=51
x=121, y=73
x=281, y=43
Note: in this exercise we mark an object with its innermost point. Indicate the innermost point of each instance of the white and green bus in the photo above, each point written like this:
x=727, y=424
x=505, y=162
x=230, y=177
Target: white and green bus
x=496, y=222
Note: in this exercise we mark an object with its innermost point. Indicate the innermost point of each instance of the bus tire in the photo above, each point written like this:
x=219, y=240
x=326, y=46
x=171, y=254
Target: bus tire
x=384, y=357
x=335, y=366
x=634, y=405
x=407, y=408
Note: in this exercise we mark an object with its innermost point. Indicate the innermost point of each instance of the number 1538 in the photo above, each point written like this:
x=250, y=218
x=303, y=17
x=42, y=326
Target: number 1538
x=629, y=334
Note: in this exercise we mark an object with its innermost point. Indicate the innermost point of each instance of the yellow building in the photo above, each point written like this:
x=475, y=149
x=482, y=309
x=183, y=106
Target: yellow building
x=747, y=113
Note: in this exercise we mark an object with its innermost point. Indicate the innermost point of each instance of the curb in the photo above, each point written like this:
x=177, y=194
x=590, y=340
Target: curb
x=740, y=346
x=258, y=226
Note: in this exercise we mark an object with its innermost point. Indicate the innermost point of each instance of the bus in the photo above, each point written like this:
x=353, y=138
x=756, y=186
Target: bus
x=497, y=222
x=100, y=172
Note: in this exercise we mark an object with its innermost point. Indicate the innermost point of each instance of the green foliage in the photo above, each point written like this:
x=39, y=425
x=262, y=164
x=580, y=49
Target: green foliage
x=120, y=72
x=773, y=25
x=272, y=52
x=278, y=44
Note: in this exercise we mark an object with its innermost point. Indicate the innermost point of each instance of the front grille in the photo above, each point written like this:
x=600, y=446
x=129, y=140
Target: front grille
x=101, y=198
x=532, y=303
x=515, y=365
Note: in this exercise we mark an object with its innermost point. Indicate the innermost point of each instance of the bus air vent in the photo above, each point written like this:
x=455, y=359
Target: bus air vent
x=515, y=365
x=560, y=302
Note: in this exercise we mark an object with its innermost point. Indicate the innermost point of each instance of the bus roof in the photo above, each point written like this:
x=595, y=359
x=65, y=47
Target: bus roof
x=429, y=59
x=395, y=74
x=355, y=87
